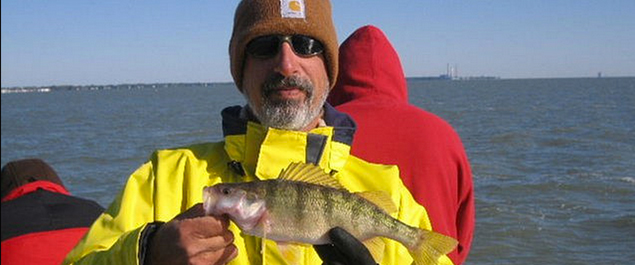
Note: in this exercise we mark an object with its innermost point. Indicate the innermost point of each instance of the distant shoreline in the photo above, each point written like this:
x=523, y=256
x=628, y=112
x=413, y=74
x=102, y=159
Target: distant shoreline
x=23, y=89
x=107, y=87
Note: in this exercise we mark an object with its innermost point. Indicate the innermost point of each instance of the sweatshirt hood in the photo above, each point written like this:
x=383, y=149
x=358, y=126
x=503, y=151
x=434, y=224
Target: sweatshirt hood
x=369, y=67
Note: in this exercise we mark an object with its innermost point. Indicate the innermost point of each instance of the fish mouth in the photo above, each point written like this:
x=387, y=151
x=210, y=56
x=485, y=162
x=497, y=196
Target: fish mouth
x=210, y=200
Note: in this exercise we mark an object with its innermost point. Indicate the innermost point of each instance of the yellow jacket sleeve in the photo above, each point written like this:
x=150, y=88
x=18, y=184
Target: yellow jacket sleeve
x=114, y=237
x=170, y=183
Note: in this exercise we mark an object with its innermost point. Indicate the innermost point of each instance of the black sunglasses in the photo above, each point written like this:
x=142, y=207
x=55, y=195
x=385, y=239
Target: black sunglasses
x=268, y=46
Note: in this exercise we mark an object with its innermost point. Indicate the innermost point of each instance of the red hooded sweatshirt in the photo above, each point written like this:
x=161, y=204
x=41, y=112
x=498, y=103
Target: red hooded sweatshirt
x=372, y=88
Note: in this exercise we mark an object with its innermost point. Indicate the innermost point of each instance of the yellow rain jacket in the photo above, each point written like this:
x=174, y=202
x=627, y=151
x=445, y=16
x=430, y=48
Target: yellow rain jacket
x=173, y=180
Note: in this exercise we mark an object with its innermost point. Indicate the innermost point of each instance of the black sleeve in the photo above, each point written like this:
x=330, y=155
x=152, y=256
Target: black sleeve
x=43, y=210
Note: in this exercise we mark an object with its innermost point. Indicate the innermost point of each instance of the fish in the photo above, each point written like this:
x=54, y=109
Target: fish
x=304, y=203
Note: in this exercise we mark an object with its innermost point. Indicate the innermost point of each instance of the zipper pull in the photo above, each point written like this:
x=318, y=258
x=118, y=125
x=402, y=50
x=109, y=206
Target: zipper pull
x=236, y=167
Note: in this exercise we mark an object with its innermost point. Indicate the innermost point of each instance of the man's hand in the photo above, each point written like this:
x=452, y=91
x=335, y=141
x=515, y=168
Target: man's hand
x=193, y=238
x=345, y=249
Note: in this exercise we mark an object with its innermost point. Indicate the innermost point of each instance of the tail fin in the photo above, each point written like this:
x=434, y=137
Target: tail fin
x=431, y=247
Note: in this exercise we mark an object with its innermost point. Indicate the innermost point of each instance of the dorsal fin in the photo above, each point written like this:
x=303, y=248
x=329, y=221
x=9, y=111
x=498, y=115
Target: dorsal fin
x=379, y=198
x=309, y=173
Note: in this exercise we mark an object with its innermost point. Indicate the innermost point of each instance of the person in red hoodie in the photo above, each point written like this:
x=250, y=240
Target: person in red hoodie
x=372, y=88
x=41, y=221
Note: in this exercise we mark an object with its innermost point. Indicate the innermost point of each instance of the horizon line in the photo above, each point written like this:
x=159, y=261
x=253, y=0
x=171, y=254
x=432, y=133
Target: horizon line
x=421, y=78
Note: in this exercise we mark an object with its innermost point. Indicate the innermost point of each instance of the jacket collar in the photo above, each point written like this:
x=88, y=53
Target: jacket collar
x=263, y=152
x=34, y=186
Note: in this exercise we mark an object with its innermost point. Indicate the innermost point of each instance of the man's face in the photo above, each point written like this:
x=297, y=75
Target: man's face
x=286, y=91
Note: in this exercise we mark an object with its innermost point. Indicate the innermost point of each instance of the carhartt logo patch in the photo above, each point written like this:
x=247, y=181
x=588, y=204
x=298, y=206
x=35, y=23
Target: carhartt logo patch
x=292, y=8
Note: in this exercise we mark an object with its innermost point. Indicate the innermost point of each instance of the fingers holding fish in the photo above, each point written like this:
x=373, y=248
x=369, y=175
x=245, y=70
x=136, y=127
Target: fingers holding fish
x=194, y=211
x=207, y=226
x=207, y=240
x=220, y=256
x=218, y=242
x=193, y=239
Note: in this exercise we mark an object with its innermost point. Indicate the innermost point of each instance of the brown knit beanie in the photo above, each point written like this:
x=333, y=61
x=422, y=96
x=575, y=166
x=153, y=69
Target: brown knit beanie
x=255, y=18
x=20, y=172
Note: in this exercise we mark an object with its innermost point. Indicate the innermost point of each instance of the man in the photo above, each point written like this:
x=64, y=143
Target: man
x=284, y=60
x=41, y=221
x=371, y=87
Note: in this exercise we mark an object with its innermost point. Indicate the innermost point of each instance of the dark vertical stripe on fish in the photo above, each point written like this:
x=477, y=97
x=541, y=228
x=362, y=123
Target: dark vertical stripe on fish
x=357, y=210
x=300, y=204
x=329, y=206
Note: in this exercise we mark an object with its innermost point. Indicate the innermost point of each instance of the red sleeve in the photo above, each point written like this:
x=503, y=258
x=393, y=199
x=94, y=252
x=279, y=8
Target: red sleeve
x=43, y=248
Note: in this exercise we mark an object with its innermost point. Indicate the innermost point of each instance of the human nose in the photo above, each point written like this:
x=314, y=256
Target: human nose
x=287, y=60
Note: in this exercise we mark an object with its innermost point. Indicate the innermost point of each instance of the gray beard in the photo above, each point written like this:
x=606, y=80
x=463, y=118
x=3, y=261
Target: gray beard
x=289, y=114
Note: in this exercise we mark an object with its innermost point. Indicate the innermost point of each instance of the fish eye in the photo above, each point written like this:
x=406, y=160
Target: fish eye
x=226, y=191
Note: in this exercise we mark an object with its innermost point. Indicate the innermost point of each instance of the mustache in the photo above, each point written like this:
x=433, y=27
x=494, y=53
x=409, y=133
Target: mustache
x=278, y=81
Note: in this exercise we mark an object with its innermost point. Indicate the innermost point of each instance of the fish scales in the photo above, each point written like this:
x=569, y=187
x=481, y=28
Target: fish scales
x=311, y=210
x=301, y=209
x=292, y=210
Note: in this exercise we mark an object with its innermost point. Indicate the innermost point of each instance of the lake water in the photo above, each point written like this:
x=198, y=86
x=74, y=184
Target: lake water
x=553, y=159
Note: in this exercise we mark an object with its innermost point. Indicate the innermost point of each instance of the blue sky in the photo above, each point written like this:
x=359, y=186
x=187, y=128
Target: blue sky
x=84, y=42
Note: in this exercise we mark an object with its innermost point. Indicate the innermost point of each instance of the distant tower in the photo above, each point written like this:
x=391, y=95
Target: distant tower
x=451, y=72
x=599, y=74
x=455, y=74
